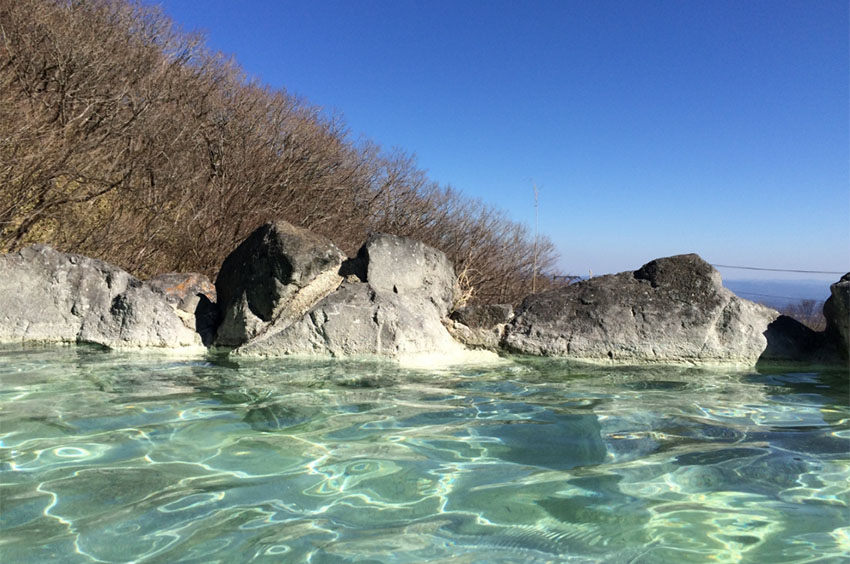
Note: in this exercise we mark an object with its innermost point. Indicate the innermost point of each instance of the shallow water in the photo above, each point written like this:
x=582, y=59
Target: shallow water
x=114, y=457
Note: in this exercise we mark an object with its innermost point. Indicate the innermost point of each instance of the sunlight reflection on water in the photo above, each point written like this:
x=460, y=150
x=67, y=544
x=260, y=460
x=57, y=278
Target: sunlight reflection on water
x=108, y=457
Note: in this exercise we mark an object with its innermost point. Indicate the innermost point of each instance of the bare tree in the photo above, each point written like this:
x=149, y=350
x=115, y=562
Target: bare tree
x=124, y=138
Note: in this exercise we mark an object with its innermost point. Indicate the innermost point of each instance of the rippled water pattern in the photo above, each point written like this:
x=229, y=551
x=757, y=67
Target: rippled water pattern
x=110, y=457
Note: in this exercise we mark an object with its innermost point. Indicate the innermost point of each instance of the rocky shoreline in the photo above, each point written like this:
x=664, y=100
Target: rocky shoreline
x=286, y=291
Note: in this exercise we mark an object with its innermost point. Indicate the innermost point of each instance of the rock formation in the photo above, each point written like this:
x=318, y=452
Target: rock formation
x=396, y=293
x=273, y=278
x=836, y=310
x=49, y=296
x=481, y=326
x=193, y=298
x=670, y=310
x=287, y=291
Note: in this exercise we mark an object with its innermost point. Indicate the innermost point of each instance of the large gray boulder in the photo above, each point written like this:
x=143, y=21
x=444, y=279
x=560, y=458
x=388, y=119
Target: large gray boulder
x=50, y=296
x=409, y=268
x=392, y=304
x=836, y=310
x=358, y=320
x=273, y=278
x=672, y=309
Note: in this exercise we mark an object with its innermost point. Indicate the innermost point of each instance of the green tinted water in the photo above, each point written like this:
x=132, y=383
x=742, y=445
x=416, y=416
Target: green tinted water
x=110, y=457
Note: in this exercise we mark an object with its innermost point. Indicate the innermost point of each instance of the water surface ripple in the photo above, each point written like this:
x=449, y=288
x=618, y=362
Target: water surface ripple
x=113, y=457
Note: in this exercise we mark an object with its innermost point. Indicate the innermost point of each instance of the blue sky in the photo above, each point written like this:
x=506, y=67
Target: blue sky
x=651, y=128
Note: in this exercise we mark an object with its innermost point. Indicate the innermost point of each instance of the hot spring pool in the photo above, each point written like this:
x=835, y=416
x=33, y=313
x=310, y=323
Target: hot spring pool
x=115, y=457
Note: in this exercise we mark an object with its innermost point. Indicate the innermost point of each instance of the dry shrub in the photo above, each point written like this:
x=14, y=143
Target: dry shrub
x=124, y=138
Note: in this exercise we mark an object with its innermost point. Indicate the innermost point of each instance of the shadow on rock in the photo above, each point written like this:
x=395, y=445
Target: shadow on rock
x=206, y=319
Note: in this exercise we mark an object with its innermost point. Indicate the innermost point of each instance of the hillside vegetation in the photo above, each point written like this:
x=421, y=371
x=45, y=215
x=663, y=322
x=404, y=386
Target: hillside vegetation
x=125, y=138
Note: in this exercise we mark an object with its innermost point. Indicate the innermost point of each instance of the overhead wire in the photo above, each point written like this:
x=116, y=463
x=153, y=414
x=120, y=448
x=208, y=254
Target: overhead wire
x=777, y=269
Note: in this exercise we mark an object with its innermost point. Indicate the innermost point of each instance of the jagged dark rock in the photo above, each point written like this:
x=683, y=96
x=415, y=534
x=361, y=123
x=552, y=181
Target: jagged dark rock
x=836, y=310
x=672, y=309
x=273, y=277
x=50, y=296
x=788, y=340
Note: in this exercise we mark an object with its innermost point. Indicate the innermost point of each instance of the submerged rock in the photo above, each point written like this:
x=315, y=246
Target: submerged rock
x=273, y=278
x=50, y=296
x=672, y=309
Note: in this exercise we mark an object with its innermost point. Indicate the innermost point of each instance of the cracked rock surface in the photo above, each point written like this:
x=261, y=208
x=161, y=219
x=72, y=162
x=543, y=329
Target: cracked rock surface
x=672, y=309
x=50, y=296
x=271, y=279
x=392, y=307
x=481, y=326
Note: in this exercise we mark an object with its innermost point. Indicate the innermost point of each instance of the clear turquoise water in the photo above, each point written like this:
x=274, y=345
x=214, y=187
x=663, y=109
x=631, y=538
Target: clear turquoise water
x=111, y=457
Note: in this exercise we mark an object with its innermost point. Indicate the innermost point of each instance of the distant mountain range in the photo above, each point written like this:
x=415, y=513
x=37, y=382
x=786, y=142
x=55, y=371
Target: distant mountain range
x=779, y=293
